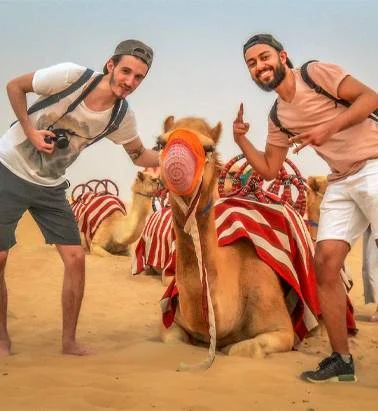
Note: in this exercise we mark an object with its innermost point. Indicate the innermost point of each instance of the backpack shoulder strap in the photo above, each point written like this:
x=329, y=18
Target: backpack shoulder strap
x=118, y=113
x=55, y=98
x=311, y=83
x=274, y=117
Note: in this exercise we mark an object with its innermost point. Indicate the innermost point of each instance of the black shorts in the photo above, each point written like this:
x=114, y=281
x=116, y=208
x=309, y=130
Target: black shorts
x=48, y=206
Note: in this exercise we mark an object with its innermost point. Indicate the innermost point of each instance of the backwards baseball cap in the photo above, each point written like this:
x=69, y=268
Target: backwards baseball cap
x=134, y=48
x=265, y=39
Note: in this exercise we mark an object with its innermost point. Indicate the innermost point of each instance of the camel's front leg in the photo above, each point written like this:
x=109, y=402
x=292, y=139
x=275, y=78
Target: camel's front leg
x=173, y=334
x=262, y=344
x=96, y=249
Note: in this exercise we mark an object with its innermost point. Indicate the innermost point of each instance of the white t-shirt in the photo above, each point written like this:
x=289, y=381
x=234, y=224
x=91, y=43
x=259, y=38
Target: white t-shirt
x=19, y=155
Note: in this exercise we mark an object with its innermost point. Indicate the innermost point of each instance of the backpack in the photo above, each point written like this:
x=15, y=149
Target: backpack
x=118, y=113
x=310, y=82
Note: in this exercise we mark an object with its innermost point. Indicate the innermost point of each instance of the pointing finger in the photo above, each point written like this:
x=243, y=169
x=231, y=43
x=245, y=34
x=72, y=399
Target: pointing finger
x=298, y=148
x=239, y=117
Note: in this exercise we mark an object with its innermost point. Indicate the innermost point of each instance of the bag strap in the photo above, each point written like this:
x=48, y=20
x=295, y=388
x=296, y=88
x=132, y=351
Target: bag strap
x=118, y=113
x=311, y=83
x=274, y=117
x=55, y=98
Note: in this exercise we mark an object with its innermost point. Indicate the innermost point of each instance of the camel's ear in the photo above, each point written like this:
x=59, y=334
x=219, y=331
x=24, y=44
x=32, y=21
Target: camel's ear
x=140, y=176
x=322, y=183
x=216, y=132
x=168, y=123
x=311, y=181
x=318, y=184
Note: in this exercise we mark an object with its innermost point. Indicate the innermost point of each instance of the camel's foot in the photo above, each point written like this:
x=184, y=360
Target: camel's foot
x=173, y=334
x=99, y=251
x=262, y=344
x=5, y=348
x=247, y=348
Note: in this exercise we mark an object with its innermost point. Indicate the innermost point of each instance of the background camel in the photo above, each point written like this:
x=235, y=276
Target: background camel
x=117, y=231
x=316, y=187
x=245, y=296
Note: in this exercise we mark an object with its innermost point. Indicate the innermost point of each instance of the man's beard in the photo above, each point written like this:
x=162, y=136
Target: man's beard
x=113, y=83
x=279, y=74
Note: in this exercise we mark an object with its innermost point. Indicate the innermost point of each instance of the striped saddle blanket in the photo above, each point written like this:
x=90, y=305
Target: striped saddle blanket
x=92, y=208
x=279, y=235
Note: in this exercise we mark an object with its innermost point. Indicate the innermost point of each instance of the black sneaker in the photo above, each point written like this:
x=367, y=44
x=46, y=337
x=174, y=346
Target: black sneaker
x=332, y=369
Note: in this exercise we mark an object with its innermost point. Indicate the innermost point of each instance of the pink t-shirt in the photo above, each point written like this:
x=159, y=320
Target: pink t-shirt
x=345, y=152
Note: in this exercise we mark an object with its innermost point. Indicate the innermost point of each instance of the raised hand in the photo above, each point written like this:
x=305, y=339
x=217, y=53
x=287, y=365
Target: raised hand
x=315, y=137
x=240, y=128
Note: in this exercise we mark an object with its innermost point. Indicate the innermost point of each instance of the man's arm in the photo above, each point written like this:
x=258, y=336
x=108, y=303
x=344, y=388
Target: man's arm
x=141, y=156
x=267, y=163
x=17, y=90
x=364, y=101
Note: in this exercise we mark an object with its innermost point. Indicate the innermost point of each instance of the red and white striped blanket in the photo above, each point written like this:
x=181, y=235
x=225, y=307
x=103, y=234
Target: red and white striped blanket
x=92, y=208
x=280, y=237
x=156, y=245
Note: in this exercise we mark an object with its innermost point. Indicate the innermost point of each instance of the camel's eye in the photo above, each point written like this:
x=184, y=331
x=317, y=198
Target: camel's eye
x=160, y=144
x=209, y=149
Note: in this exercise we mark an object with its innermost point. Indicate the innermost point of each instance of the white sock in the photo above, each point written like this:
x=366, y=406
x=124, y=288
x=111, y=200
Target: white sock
x=347, y=358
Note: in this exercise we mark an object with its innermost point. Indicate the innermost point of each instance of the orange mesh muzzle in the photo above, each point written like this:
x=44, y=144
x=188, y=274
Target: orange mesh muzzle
x=182, y=162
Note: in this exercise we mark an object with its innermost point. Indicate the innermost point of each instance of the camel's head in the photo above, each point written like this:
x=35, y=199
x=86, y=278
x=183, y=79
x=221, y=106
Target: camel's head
x=146, y=183
x=316, y=187
x=188, y=155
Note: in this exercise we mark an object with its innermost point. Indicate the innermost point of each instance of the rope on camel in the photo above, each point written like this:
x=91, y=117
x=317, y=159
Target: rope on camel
x=98, y=187
x=281, y=187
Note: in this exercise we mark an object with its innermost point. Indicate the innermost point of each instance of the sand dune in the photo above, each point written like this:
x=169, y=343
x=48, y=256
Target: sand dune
x=131, y=369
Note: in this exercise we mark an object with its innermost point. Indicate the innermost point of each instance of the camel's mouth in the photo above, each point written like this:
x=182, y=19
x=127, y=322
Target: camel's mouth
x=182, y=162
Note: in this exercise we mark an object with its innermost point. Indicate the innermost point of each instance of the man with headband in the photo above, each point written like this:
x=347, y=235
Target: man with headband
x=346, y=138
x=76, y=108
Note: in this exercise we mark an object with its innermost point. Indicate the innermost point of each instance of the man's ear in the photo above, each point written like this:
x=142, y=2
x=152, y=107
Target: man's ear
x=110, y=65
x=283, y=56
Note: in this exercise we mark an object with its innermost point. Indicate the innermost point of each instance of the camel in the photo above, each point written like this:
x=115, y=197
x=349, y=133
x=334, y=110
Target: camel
x=316, y=187
x=118, y=231
x=245, y=296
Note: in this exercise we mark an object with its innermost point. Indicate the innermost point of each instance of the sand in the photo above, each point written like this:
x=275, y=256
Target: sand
x=131, y=369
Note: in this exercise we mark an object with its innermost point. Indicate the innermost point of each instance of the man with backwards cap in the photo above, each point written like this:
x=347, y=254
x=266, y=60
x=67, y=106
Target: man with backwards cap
x=348, y=141
x=32, y=166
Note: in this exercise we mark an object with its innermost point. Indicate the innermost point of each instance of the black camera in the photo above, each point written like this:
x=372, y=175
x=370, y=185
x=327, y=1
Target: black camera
x=61, y=140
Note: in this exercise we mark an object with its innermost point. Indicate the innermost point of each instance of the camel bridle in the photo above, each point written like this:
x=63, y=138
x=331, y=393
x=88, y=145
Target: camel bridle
x=191, y=227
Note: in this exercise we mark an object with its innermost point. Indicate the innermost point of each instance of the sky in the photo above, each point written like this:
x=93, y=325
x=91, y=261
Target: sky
x=198, y=67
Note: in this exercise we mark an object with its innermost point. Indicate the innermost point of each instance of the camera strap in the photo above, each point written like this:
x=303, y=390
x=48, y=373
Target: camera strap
x=118, y=112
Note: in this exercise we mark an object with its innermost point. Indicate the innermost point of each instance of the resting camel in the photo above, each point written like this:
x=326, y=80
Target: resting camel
x=244, y=292
x=118, y=231
x=316, y=187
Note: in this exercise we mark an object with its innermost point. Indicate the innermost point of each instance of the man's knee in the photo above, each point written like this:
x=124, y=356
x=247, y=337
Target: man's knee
x=328, y=260
x=74, y=258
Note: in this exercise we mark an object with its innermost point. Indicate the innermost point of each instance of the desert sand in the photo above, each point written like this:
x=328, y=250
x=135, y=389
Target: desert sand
x=131, y=369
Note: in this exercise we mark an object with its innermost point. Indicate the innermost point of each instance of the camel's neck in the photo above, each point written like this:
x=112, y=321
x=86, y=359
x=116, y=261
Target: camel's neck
x=187, y=270
x=133, y=223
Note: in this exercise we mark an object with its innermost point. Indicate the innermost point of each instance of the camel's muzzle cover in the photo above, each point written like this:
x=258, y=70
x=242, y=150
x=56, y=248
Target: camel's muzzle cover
x=182, y=162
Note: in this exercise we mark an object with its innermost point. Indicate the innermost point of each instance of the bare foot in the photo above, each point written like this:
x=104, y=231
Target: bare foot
x=5, y=348
x=73, y=348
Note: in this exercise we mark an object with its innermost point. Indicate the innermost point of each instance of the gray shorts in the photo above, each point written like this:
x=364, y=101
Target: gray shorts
x=48, y=206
